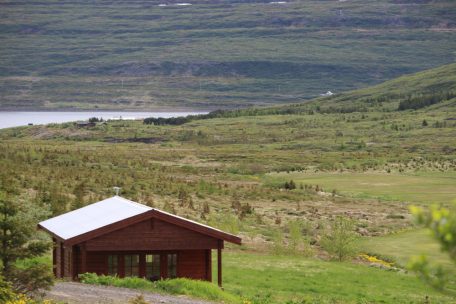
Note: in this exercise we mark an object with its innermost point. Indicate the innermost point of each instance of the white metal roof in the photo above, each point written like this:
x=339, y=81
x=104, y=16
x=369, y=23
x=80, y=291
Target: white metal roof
x=93, y=216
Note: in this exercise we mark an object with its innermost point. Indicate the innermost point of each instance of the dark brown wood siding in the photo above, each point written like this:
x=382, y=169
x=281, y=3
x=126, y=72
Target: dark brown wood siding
x=151, y=234
x=192, y=264
x=96, y=262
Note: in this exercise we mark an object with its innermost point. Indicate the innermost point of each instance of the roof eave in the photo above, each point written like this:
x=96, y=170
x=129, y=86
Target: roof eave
x=59, y=238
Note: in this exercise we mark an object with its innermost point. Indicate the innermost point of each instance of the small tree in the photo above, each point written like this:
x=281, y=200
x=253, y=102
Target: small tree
x=79, y=194
x=291, y=185
x=295, y=236
x=206, y=208
x=18, y=237
x=277, y=242
x=183, y=197
x=339, y=240
x=20, y=240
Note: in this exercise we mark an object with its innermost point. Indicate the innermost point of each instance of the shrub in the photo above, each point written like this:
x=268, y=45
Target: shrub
x=32, y=280
x=289, y=185
x=6, y=293
x=8, y=296
x=138, y=300
x=340, y=239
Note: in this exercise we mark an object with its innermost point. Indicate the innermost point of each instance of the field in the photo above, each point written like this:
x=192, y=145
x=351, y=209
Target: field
x=284, y=278
x=211, y=54
x=402, y=246
x=419, y=187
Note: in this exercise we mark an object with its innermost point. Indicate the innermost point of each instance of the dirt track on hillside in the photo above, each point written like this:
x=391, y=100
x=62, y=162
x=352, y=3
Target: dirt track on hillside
x=77, y=293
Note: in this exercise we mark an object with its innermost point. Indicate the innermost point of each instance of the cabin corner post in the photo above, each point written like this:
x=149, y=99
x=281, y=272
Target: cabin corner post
x=54, y=257
x=219, y=262
x=209, y=265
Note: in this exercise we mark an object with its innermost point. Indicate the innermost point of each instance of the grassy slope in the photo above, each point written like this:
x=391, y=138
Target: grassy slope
x=384, y=97
x=441, y=79
x=285, y=277
x=134, y=54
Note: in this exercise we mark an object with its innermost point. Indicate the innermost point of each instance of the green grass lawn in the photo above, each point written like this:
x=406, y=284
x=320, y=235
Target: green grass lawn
x=295, y=278
x=402, y=246
x=429, y=187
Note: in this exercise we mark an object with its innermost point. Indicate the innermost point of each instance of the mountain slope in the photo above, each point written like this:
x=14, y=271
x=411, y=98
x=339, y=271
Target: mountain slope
x=211, y=54
x=434, y=88
x=439, y=82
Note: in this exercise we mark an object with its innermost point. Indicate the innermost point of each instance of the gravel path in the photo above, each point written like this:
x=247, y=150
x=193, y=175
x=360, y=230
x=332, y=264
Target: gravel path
x=77, y=293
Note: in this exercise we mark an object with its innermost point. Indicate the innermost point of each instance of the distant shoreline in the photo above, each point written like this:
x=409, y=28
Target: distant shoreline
x=158, y=110
x=9, y=119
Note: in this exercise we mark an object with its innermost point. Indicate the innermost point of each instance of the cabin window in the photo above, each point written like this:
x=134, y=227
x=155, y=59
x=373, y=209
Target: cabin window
x=112, y=265
x=172, y=265
x=153, y=267
x=132, y=265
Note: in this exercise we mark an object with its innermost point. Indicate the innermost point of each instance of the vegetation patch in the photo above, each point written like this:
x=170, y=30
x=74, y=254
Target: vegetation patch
x=192, y=288
x=286, y=278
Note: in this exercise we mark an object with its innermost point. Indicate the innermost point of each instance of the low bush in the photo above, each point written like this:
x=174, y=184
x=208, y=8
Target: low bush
x=180, y=286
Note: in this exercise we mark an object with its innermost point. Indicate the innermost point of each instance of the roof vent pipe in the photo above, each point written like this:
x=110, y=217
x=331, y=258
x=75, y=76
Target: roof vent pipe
x=117, y=189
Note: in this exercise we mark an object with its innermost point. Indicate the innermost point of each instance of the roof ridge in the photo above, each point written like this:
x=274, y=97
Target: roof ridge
x=132, y=202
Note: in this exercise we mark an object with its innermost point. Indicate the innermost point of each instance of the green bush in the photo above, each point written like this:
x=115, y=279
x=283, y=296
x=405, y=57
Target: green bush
x=339, y=240
x=181, y=286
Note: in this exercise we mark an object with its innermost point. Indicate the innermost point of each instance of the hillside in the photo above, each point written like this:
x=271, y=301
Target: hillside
x=279, y=181
x=413, y=91
x=435, y=87
x=211, y=54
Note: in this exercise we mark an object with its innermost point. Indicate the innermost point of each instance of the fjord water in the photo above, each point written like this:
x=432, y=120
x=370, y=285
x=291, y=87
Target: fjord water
x=16, y=119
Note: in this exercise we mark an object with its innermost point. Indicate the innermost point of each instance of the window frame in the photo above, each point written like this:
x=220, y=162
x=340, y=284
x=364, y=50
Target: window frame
x=130, y=266
x=150, y=268
x=113, y=265
x=171, y=268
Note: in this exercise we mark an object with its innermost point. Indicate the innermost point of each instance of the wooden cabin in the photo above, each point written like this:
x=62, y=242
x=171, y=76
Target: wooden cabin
x=120, y=237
